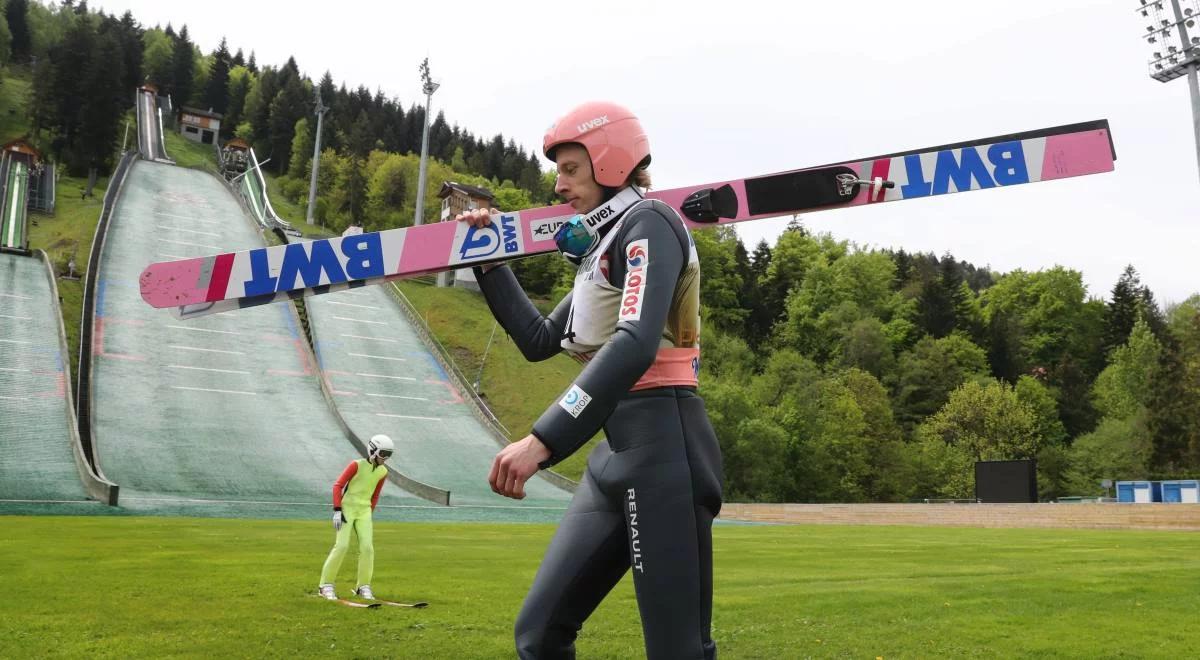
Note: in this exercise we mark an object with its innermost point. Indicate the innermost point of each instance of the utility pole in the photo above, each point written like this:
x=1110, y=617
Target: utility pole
x=321, y=109
x=429, y=87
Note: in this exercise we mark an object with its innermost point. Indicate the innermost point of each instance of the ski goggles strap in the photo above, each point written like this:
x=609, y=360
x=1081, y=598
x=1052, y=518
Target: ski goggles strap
x=580, y=235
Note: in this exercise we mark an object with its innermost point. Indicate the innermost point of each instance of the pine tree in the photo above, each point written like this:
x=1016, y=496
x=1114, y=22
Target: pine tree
x=130, y=35
x=1122, y=311
x=238, y=59
x=259, y=114
x=216, y=96
x=101, y=108
x=761, y=318
x=250, y=64
x=72, y=59
x=17, y=14
x=940, y=299
x=287, y=108
x=5, y=42
x=1148, y=309
x=184, y=68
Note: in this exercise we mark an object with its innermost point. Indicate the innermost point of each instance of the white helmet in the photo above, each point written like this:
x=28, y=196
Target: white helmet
x=380, y=446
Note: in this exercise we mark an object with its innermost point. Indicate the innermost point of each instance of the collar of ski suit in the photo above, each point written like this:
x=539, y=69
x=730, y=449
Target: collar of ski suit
x=610, y=210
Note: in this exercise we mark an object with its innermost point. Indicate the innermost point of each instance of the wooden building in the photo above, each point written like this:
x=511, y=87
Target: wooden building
x=199, y=125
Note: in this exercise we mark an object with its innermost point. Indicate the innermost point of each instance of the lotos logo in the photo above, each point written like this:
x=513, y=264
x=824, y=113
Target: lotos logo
x=575, y=401
x=637, y=257
x=592, y=123
x=484, y=242
x=636, y=253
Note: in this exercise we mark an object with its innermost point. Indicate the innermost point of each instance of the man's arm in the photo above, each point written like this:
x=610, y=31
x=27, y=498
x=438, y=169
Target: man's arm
x=339, y=486
x=650, y=260
x=538, y=337
x=375, y=496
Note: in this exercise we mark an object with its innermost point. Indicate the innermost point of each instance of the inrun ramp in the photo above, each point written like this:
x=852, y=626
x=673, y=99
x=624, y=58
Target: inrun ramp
x=384, y=380
x=37, y=462
x=221, y=415
x=14, y=196
x=150, y=137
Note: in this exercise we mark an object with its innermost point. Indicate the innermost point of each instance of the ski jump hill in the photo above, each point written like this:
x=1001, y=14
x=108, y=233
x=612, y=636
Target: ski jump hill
x=149, y=122
x=40, y=455
x=233, y=414
x=42, y=466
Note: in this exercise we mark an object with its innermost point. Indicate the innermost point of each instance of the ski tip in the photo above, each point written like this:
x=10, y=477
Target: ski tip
x=421, y=604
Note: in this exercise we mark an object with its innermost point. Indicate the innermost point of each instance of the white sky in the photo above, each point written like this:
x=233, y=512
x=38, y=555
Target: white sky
x=736, y=89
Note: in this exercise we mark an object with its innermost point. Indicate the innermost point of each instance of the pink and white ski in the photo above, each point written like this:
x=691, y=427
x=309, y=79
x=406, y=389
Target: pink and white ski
x=207, y=285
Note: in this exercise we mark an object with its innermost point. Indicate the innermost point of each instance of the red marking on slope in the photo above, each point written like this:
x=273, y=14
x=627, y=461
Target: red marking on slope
x=455, y=396
x=329, y=384
x=299, y=346
x=60, y=386
x=98, y=339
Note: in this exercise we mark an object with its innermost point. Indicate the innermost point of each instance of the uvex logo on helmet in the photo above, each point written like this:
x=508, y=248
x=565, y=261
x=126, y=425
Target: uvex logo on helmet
x=592, y=123
x=611, y=134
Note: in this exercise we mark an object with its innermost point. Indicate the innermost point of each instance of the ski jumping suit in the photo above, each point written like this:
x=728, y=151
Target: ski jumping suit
x=355, y=493
x=650, y=492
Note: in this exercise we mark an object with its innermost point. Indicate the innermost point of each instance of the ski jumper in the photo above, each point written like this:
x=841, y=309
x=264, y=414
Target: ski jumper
x=651, y=490
x=356, y=492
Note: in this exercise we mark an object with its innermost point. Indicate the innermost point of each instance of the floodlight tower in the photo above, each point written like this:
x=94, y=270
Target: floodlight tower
x=320, y=110
x=1174, y=41
x=429, y=87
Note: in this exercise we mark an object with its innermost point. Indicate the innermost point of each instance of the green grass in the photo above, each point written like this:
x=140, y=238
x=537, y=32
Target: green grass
x=186, y=153
x=15, y=86
x=65, y=235
x=517, y=391
x=154, y=587
x=291, y=211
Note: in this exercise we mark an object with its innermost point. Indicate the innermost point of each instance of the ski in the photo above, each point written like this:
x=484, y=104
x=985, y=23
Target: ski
x=218, y=283
x=350, y=603
x=418, y=605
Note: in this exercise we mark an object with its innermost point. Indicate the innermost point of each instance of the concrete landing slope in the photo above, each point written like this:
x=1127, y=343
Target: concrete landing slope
x=384, y=380
x=221, y=415
x=40, y=460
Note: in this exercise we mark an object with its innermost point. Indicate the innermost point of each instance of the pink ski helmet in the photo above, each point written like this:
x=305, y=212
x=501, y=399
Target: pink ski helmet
x=612, y=136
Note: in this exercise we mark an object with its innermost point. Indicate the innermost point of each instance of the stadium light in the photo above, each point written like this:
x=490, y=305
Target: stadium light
x=429, y=87
x=320, y=109
x=1174, y=41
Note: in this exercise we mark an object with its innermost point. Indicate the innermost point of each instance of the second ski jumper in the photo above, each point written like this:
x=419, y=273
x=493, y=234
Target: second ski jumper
x=355, y=494
x=650, y=492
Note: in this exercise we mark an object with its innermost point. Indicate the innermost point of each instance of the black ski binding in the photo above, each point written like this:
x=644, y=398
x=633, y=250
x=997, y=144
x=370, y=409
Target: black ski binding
x=710, y=205
x=792, y=192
